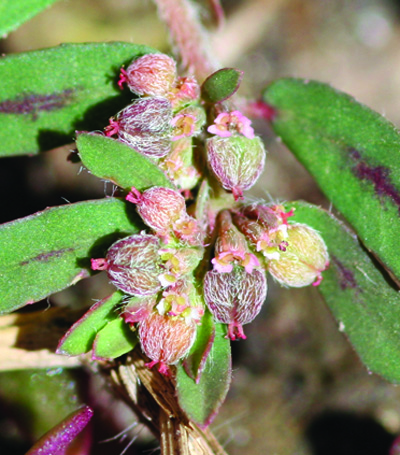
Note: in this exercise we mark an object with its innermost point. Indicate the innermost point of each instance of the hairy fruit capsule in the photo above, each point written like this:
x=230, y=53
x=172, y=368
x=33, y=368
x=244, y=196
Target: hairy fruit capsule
x=159, y=207
x=236, y=161
x=133, y=264
x=165, y=340
x=152, y=74
x=304, y=258
x=144, y=125
x=235, y=298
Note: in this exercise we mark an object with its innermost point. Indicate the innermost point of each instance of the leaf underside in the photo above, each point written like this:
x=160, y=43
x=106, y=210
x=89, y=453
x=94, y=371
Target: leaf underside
x=80, y=337
x=51, y=250
x=221, y=85
x=46, y=95
x=364, y=303
x=351, y=151
x=201, y=401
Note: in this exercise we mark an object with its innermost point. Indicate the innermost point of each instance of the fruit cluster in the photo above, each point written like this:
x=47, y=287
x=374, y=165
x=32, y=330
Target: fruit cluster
x=211, y=254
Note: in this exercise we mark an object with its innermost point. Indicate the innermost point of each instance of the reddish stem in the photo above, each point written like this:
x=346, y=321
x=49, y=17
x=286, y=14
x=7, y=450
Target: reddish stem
x=188, y=36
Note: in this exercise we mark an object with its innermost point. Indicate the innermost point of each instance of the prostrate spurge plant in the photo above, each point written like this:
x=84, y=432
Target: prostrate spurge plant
x=187, y=253
x=166, y=267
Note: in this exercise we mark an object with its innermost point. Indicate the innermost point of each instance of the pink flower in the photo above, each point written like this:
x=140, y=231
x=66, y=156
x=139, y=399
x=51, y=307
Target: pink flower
x=228, y=122
x=184, y=126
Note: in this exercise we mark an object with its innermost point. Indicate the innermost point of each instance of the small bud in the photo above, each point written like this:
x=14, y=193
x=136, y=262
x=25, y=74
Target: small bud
x=179, y=164
x=235, y=298
x=231, y=247
x=302, y=259
x=158, y=207
x=236, y=161
x=133, y=264
x=188, y=122
x=145, y=125
x=138, y=309
x=187, y=230
x=186, y=91
x=166, y=340
x=152, y=74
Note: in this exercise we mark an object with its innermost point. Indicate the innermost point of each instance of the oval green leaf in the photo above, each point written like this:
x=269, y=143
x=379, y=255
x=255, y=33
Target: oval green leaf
x=113, y=160
x=221, y=85
x=201, y=401
x=80, y=337
x=114, y=340
x=51, y=250
x=14, y=13
x=351, y=151
x=364, y=303
x=46, y=95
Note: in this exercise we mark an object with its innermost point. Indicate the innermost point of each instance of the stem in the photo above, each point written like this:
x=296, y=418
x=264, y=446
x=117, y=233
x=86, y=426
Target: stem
x=188, y=36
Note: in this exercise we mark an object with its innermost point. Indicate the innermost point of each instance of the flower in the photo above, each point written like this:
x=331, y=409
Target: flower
x=226, y=123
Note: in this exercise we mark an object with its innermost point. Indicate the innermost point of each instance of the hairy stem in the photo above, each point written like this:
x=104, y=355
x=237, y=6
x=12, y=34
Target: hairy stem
x=188, y=36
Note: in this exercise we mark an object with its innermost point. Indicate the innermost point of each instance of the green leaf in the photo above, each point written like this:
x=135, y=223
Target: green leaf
x=352, y=152
x=14, y=13
x=221, y=85
x=51, y=250
x=201, y=401
x=115, y=161
x=114, y=340
x=195, y=362
x=365, y=305
x=81, y=336
x=46, y=95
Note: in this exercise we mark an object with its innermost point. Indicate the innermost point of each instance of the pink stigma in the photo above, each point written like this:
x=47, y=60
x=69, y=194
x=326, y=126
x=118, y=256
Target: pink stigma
x=134, y=196
x=235, y=331
x=237, y=193
x=112, y=128
x=287, y=215
x=99, y=264
x=318, y=280
x=123, y=77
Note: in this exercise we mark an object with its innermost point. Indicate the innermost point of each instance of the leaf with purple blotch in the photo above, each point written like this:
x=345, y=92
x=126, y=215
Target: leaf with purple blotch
x=81, y=336
x=364, y=302
x=51, y=250
x=221, y=85
x=113, y=340
x=46, y=95
x=201, y=401
x=351, y=151
x=56, y=441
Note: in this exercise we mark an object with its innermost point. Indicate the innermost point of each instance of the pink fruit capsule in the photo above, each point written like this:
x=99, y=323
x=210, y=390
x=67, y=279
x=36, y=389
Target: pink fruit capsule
x=145, y=125
x=133, y=264
x=159, y=207
x=166, y=340
x=235, y=298
x=152, y=74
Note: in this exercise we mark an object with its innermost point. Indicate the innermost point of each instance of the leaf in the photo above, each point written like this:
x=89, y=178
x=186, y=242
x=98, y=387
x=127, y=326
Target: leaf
x=195, y=362
x=363, y=302
x=351, y=151
x=51, y=250
x=81, y=336
x=221, y=85
x=14, y=13
x=114, y=340
x=115, y=161
x=46, y=95
x=201, y=401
